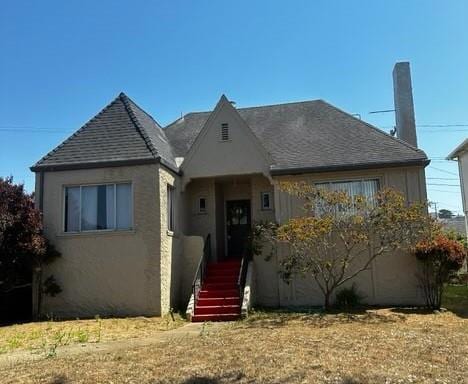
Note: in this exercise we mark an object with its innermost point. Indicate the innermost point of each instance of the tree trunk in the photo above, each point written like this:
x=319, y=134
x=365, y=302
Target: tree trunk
x=327, y=301
x=37, y=290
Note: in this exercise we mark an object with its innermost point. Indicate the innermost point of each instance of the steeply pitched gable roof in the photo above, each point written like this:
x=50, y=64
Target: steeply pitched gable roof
x=122, y=133
x=311, y=135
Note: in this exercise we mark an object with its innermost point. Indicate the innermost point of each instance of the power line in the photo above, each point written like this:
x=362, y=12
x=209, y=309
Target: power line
x=445, y=185
x=443, y=170
x=440, y=190
x=441, y=178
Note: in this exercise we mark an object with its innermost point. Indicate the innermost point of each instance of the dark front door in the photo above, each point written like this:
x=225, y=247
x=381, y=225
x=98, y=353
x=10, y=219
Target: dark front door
x=237, y=227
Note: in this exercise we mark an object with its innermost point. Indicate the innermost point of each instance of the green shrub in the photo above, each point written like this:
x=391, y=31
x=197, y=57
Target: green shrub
x=348, y=298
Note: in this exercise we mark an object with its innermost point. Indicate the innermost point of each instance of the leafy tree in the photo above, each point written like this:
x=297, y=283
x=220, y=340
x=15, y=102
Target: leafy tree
x=23, y=248
x=445, y=214
x=338, y=236
x=440, y=256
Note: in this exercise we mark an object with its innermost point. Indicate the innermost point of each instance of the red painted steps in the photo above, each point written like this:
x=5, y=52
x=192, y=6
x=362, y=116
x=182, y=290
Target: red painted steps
x=219, y=298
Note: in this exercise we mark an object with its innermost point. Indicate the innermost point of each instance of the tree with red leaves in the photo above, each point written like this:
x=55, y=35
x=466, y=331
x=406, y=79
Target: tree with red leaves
x=440, y=256
x=23, y=248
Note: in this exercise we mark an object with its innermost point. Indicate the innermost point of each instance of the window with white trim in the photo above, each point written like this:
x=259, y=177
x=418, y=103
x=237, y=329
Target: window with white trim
x=98, y=207
x=364, y=187
x=266, y=200
x=224, y=132
x=170, y=208
x=202, y=205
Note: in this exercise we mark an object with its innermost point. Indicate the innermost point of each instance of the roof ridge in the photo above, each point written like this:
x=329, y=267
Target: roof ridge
x=375, y=128
x=244, y=108
x=83, y=127
x=126, y=101
x=281, y=104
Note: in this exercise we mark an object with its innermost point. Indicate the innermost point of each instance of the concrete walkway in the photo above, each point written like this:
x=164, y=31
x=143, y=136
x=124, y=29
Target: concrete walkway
x=178, y=334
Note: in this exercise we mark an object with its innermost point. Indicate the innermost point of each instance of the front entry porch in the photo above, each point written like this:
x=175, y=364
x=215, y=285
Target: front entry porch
x=222, y=211
x=225, y=208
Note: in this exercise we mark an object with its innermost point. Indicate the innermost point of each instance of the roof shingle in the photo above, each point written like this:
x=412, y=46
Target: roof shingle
x=307, y=135
x=121, y=132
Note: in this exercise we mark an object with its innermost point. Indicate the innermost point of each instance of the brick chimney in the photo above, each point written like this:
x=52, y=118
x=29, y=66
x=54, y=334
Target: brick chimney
x=404, y=107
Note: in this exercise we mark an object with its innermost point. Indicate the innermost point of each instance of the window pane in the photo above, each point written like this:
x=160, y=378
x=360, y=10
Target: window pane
x=105, y=207
x=170, y=208
x=202, y=204
x=266, y=200
x=89, y=211
x=124, y=206
x=72, y=209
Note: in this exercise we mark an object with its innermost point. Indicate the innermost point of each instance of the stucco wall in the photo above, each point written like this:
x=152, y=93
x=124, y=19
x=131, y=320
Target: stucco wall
x=171, y=243
x=391, y=280
x=211, y=157
x=106, y=272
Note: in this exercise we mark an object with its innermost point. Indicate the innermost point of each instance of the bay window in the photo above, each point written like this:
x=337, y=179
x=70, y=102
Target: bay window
x=98, y=207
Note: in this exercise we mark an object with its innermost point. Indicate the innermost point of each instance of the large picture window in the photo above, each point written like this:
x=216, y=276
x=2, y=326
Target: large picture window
x=367, y=188
x=98, y=207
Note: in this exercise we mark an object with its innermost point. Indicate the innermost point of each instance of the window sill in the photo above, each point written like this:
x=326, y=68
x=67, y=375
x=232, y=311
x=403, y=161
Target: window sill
x=97, y=233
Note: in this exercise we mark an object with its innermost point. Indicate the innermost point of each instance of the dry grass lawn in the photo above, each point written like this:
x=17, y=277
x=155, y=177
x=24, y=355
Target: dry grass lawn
x=46, y=336
x=381, y=346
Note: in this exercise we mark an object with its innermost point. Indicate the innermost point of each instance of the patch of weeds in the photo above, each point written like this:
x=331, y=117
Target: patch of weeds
x=14, y=342
x=82, y=336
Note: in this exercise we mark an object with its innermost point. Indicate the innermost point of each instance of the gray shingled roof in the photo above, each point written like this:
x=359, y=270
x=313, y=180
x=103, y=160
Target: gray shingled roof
x=307, y=135
x=122, y=133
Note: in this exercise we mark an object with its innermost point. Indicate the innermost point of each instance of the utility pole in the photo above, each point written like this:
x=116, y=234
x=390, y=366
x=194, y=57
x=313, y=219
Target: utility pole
x=434, y=203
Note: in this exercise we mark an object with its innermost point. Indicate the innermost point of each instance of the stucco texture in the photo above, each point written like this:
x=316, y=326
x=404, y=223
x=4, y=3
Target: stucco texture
x=104, y=273
x=391, y=279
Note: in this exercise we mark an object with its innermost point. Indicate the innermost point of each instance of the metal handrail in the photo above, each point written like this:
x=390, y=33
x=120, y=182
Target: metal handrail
x=201, y=269
x=242, y=277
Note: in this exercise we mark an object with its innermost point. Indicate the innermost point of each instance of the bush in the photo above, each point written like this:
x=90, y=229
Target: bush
x=348, y=298
x=440, y=257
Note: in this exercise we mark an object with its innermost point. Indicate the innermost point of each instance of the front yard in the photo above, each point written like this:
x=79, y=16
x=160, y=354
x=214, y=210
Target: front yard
x=374, y=346
x=46, y=336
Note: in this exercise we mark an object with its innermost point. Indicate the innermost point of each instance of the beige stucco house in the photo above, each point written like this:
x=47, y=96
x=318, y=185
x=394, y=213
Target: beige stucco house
x=133, y=206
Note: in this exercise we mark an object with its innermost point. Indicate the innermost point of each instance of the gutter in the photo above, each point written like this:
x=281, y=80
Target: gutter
x=104, y=164
x=351, y=167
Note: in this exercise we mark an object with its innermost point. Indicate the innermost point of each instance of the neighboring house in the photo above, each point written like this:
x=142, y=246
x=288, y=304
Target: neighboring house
x=460, y=154
x=130, y=204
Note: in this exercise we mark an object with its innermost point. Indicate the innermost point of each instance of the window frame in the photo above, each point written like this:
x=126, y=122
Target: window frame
x=270, y=207
x=170, y=209
x=361, y=179
x=107, y=230
x=201, y=211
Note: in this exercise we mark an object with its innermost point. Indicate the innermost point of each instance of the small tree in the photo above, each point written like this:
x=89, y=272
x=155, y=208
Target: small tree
x=339, y=236
x=440, y=257
x=445, y=214
x=23, y=248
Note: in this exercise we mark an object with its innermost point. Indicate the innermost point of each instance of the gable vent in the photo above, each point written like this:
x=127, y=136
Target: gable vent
x=224, y=132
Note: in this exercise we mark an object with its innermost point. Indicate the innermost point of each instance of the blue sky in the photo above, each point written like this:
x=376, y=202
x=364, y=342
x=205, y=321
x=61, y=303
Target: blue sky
x=62, y=61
